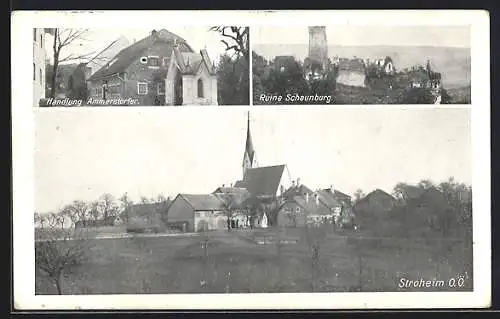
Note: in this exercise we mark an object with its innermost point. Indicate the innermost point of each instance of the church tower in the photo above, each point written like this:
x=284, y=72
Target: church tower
x=249, y=159
x=318, y=46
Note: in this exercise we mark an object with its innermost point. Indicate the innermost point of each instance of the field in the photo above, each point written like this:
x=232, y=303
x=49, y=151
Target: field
x=293, y=260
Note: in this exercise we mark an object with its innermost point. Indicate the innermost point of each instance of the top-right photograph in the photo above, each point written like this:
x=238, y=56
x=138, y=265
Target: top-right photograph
x=354, y=64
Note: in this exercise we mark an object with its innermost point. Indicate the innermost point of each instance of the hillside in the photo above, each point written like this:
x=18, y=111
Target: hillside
x=453, y=63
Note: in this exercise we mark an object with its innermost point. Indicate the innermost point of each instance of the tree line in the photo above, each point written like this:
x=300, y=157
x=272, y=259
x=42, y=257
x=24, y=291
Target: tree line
x=103, y=211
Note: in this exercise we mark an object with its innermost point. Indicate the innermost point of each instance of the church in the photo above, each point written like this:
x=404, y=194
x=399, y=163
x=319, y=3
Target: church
x=259, y=185
x=265, y=196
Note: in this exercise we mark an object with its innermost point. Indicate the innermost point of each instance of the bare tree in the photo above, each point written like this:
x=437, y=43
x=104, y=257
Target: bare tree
x=59, y=250
x=78, y=211
x=229, y=205
x=235, y=39
x=126, y=203
x=108, y=208
x=62, y=39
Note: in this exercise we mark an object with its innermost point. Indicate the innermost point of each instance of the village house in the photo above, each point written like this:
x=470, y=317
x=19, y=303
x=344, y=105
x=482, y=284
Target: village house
x=39, y=56
x=377, y=203
x=161, y=69
x=300, y=211
x=76, y=87
x=314, y=207
x=197, y=212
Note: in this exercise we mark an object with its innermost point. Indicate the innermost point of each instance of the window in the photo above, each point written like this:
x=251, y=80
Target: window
x=161, y=88
x=34, y=72
x=41, y=40
x=34, y=35
x=165, y=62
x=154, y=61
x=142, y=88
x=200, y=88
x=41, y=77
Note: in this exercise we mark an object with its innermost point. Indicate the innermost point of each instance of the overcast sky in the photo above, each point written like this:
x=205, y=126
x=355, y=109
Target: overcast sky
x=98, y=39
x=356, y=35
x=83, y=153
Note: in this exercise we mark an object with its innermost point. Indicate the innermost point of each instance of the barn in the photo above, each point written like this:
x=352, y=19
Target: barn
x=197, y=212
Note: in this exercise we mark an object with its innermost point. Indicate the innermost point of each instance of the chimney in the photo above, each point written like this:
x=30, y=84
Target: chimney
x=298, y=182
x=307, y=197
x=317, y=198
x=293, y=183
x=331, y=188
x=153, y=32
x=223, y=185
x=231, y=185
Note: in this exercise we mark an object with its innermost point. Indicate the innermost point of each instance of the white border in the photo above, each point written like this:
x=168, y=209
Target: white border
x=23, y=153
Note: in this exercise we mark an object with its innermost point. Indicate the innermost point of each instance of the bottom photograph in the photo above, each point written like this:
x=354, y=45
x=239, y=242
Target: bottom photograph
x=209, y=200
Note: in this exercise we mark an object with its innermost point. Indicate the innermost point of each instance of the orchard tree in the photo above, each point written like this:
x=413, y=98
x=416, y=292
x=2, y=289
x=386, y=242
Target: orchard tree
x=60, y=250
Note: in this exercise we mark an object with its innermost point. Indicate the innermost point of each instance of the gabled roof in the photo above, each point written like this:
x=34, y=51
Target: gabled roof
x=240, y=195
x=203, y=201
x=377, y=193
x=128, y=55
x=262, y=181
x=311, y=207
x=328, y=198
x=297, y=190
x=190, y=62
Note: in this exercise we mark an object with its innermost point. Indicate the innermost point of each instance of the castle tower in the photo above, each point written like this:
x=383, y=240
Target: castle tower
x=249, y=158
x=318, y=46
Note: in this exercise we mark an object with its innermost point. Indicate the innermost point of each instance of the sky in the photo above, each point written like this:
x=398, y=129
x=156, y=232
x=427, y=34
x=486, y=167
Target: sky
x=357, y=35
x=83, y=153
x=98, y=39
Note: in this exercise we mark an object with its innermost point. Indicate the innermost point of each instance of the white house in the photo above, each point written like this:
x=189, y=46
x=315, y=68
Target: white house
x=39, y=55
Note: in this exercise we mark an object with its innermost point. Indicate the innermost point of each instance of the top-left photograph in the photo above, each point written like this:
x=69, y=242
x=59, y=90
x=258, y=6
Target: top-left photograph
x=164, y=66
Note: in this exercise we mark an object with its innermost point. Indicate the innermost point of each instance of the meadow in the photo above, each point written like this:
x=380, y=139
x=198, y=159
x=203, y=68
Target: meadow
x=293, y=260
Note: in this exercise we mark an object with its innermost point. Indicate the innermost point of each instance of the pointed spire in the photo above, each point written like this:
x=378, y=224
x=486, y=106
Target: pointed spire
x=249, y=155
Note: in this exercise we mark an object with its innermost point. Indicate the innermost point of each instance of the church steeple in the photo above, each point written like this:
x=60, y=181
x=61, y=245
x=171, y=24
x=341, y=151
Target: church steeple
x=249, y=155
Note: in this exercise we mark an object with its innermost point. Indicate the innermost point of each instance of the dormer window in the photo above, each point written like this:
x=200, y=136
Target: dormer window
x=144, y=60
x=297, y=209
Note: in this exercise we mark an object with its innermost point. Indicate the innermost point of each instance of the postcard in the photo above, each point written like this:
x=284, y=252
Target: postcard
x=250, y=160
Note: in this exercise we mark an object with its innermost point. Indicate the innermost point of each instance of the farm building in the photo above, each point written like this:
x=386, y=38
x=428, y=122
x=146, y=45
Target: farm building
x=197, y=212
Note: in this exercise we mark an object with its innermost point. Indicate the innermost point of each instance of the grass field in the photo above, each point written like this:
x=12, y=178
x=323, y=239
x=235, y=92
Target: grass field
x=234, y=263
